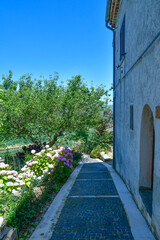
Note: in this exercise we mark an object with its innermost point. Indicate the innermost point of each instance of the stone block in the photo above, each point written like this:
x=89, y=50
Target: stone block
x=9, y=234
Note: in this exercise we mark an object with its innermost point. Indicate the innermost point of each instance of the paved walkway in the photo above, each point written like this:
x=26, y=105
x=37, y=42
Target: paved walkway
x=90, y=208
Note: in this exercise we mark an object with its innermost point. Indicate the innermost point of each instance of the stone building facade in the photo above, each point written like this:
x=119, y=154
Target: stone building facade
x=136, y=42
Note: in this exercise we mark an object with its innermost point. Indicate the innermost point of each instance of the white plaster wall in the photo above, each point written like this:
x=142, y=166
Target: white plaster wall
x=140, y=87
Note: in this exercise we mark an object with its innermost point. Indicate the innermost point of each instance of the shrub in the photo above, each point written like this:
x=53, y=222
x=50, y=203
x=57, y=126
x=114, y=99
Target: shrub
x=95, y=153
x=20, y=212
x=76, y=155
x=64, y=165
x=9, y=180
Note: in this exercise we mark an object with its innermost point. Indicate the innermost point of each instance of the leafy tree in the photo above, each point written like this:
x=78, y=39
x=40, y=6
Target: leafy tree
x=32, y=109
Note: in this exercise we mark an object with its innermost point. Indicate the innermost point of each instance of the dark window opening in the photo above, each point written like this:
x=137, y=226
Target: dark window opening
x=122, y=40
x=131, y=118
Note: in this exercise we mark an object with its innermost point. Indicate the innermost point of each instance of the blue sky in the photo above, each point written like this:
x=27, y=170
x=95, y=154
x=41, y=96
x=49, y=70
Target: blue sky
x=67, y=36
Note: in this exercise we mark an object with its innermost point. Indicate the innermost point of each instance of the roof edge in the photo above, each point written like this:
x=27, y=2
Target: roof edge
x=112, y=11
x=108, y=10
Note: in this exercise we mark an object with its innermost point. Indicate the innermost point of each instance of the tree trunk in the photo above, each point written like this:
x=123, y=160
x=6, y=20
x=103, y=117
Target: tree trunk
x=51, y=143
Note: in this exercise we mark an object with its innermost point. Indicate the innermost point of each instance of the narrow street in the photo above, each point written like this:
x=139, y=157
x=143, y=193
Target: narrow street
x=93, y=209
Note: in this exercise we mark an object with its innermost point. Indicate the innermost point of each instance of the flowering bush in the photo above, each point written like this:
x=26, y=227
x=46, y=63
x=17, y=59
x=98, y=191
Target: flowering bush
x=9, y=180
x=64, y=165
x=44, y=163
x=54, y=165
x=65, y=158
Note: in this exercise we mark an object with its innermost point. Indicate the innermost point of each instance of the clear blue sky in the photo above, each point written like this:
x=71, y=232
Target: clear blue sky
x=67, y=36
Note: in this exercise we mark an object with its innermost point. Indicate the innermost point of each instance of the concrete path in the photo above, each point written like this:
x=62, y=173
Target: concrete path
x=89, y=207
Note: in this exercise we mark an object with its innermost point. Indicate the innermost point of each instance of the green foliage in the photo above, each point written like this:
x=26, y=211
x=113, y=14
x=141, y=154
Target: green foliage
x=8, y=153
x=28, y=157
x=76, y=156
x=42, y=162
x=9, y=181
x=99, y=135
x=32, y=109
x=14, y=142
x=95, y=153
x=20, y=212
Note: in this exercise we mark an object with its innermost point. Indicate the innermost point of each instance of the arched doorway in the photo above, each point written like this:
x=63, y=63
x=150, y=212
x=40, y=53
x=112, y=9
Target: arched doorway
x=146, y=157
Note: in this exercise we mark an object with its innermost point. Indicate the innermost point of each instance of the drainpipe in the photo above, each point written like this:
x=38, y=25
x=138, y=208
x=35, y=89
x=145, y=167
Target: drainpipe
x=112, y=29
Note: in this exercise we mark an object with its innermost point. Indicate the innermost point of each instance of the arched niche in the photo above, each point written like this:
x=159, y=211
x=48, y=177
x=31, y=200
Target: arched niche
x=146, y=149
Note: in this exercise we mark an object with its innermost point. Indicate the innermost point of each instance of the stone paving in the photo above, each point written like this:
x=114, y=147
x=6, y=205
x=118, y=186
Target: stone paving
x=93, y=209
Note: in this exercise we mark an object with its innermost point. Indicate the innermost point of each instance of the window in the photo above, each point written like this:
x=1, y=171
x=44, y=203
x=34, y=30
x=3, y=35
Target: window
x=131, y=118
x=122, y=40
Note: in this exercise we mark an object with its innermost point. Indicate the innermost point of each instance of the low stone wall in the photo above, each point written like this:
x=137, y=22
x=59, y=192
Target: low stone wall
x=8, y=234
x=11, y=148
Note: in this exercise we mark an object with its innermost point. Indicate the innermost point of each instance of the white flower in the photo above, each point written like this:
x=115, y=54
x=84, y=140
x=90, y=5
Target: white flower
x=21, y=183
x=3, y=172
x=35, y=162
x=15, y=173
x=39, y=153
x=49, y=155
x=33, y=151
x=1, y=185
x=20, y=176
x=30, y=164
x=42, y=151
x=16, y=184
x=51, y=166
x=45, y=171
x=16, y=193
x=24, y=168
x=10, y=184
x=56, y=155
x=50, y=149
x=3, y=165
x=10, y=177
x=47, y=146
x=39, y=178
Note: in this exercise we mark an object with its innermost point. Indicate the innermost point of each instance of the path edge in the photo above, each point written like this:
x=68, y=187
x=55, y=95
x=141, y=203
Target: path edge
x=45, y=228
x=139, y=227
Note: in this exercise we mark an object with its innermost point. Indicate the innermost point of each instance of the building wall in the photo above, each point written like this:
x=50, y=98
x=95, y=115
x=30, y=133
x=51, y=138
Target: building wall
x=139, y=87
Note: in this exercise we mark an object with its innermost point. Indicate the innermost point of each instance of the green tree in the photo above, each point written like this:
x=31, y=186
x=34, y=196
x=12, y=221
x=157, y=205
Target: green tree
x=39, y=108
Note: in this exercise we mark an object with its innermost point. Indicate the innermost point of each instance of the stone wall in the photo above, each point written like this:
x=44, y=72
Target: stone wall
x=139, y=87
